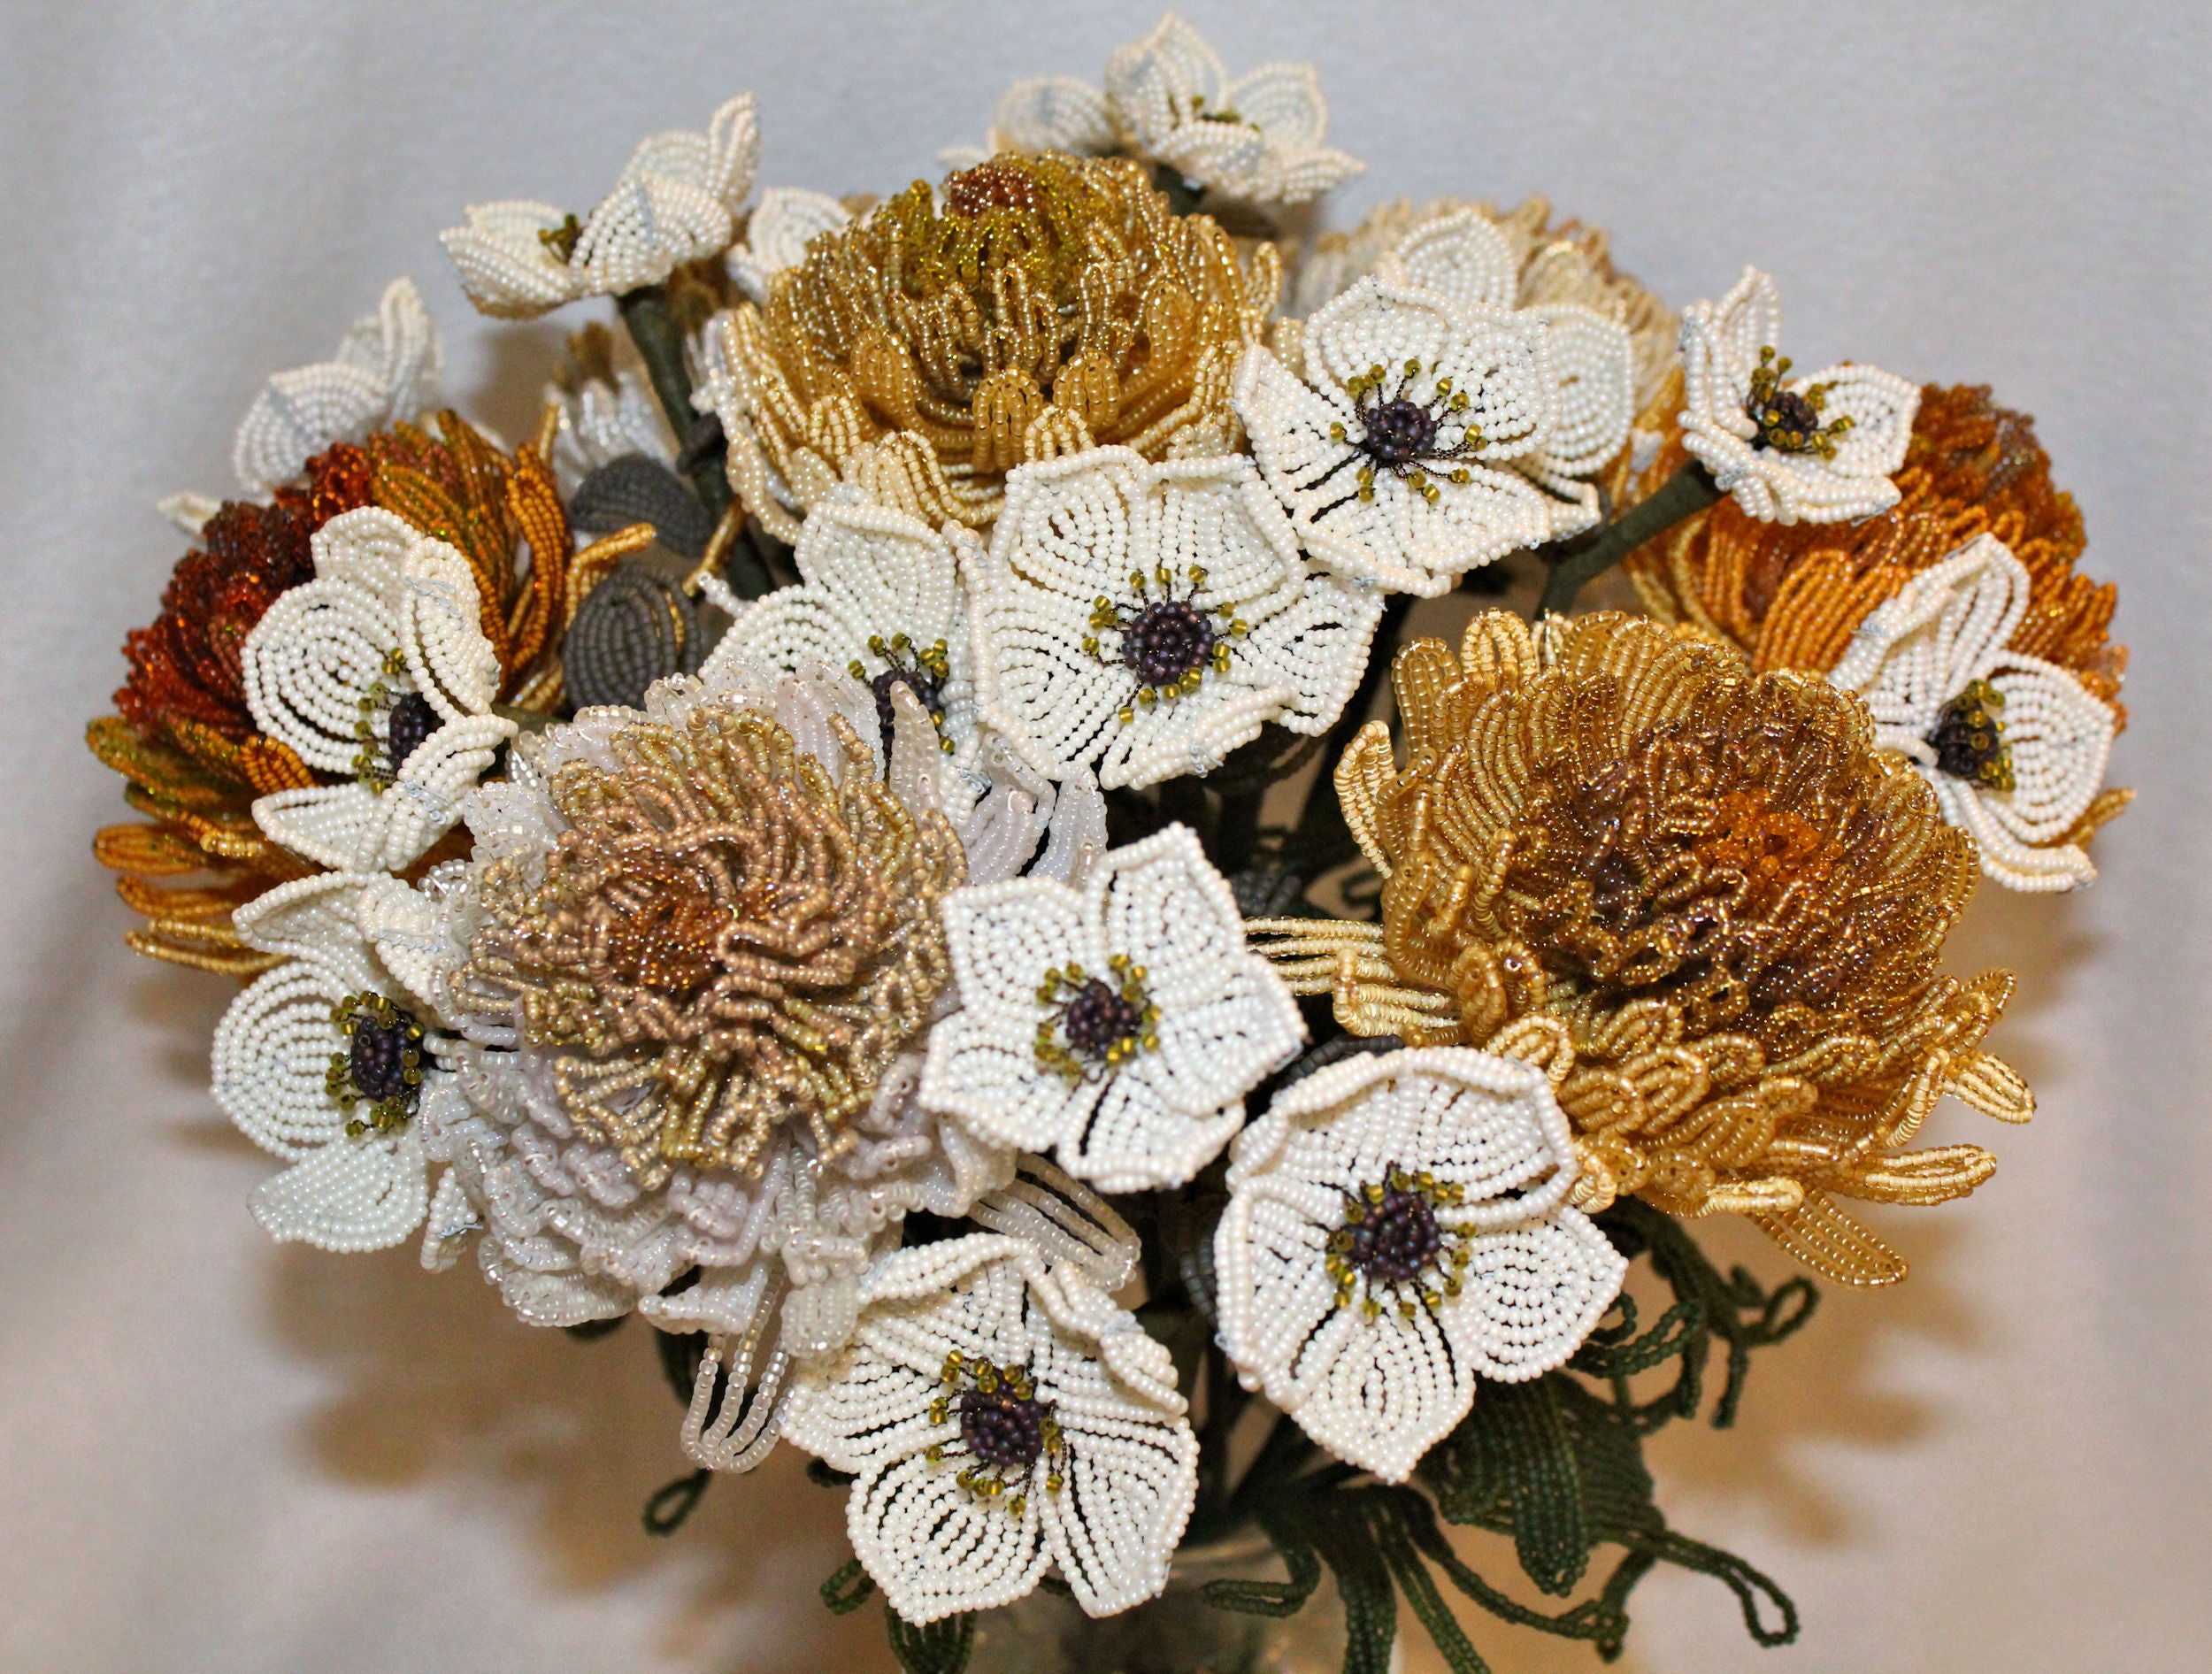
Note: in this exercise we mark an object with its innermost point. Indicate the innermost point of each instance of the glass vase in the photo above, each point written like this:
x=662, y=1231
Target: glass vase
x=1179, y=1632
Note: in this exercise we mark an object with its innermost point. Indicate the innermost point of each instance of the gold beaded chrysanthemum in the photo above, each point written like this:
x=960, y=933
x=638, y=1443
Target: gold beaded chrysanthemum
x=725, y=939
x=1038, y=307
x=1699, y=897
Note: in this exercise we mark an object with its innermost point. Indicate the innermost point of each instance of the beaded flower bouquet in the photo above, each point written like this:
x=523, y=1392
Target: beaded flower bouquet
x=905, y=835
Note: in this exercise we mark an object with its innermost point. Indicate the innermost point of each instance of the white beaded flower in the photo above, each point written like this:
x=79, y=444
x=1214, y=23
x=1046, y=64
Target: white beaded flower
x=1398, y=1227
x=675, y=200
x=386, y=369
x=1819, y=449
x=781, y=226
x=1119, y=1024
x=1151, y=618
x=1002, y=1417
x=1043, y=113
x=2013, y=746
x=378, y=669
x=879, y=600
x=1438, y=431
x=1257, y=138
x=329, y=1062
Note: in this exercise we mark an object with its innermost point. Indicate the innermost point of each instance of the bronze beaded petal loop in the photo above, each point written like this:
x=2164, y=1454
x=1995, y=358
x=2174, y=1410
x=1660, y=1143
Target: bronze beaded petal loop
x=725, y=940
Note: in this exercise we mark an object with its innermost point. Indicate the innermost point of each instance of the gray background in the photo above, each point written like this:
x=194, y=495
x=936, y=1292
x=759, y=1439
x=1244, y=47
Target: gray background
x=218, y=1454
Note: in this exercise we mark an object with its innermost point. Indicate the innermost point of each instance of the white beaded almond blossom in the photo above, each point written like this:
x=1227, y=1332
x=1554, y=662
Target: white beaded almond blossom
x=675, y=200
x=1100, y=1484
x=781, y=226
x=1257, y=138
x=1397, y=463
x=378, y=670
x=1467, y=256
x=878, y=589
x=345, y=1192
x=386, y=369
x=1398, y=1227
x=1917, y=656
x=1722, y=346
x=1149, y=619
x=1117, y=1025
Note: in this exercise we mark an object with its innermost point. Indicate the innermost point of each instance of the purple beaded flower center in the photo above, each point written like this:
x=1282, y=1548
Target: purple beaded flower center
x=413, y=722
x=1399, y=1238
x=1098, y=1019
x=1004, y=1432
x=376, y=1062
x=1399, y=433
x=1169, y=638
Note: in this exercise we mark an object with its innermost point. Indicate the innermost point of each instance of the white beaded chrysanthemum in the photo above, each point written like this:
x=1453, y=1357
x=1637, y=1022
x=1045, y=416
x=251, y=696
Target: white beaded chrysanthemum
x=675, y=200
x=1002, y=1418
x=1117, y=1025
x=1257, y=137
x=358, y=1179
x=1436, y=429
x=777, y=232
x=386, y=369
x=1398, y=1227
x=1149, y=619
x=378, y=669
x=2013, y=746
x=880, y=601
x=1789, y=462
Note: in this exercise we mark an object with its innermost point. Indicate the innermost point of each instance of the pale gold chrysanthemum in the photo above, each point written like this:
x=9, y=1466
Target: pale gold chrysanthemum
x=1699, y=897
x=1036, y=306
x=727, y=937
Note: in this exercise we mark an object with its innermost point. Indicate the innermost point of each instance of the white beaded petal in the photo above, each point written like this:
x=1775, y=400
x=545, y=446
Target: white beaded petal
x=1257, y=138
x=1721, y=345
x=781, y=226
x=321, y=662
x=1378, y=1389
x=1945, y=629
x=675, y=200
x=1407, y=536
x=386, y=369
x=936, y=1549
x=868, y=573
x=1224, y=1022
x=271, y=1054
x=1074, y=530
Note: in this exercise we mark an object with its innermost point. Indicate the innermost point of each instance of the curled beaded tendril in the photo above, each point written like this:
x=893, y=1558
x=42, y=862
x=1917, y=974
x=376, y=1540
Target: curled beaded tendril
x=1393, y=1247
x=1165, y=641
x=1004, y=1429
x=382, y=1066
x=1094, y=1025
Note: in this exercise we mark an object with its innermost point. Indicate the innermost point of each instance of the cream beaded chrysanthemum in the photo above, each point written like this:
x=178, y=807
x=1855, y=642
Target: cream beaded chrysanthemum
x=328, y=1062
x=1117, y=1025
x=1003, y=1416
x=880, y=600
x=385, y=370
x=675, y=200
x=1819, y=449
x=2013, y=746
x=1397, y=1227
x=376, y=669
x=1435, y=431
x=1149, y=619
